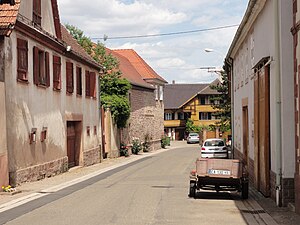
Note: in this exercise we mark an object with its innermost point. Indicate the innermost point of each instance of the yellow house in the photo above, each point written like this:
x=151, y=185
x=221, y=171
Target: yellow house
x=188, y=101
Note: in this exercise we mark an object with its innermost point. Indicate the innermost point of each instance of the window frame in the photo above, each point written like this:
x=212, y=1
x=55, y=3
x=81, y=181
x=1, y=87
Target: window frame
x=41, y=67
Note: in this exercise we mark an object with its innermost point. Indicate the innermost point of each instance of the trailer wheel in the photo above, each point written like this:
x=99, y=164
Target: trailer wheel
x=192, y=192
x=245, y=189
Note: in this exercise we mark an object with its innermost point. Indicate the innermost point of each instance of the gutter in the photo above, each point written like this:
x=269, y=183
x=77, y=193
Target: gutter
x=278, y=131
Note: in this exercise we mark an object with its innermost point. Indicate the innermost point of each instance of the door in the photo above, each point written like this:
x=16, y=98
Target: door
x=262, y=131
x=245, y=137
x=71, y=144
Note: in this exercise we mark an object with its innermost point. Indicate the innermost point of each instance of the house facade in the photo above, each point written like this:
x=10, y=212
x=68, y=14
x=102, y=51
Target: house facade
x=296, y=35
x=146, y=99
x=49, y=95
x=192, y=102
x=259, y=64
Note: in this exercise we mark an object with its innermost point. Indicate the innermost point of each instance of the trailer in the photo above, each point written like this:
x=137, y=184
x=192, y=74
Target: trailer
x=219, y=175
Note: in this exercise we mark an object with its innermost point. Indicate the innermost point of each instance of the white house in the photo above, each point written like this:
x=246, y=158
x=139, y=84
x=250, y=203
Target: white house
x=260, y=66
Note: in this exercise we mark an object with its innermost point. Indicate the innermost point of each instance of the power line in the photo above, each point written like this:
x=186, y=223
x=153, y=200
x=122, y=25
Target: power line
x=105, y=37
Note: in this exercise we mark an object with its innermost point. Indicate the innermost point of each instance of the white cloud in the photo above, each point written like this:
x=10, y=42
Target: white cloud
x=117, y=18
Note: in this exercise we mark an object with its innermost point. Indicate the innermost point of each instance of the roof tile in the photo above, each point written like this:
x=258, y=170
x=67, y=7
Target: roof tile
x=139, y=64
x=8, y=17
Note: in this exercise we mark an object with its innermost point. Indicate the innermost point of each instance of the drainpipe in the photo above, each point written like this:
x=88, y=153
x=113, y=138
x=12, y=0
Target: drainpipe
x=278, y=140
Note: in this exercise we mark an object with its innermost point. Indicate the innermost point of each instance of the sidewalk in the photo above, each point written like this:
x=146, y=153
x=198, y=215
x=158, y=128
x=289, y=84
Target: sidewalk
x=258, y=209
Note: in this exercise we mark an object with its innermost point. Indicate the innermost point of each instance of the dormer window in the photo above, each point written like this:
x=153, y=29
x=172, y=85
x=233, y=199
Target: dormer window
x=37, y=12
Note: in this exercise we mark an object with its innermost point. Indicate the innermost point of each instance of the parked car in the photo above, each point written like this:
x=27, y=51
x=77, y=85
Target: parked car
x=193, y=138
x=214, y=148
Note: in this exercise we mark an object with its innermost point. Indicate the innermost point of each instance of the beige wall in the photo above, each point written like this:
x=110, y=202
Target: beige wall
x=29, y=106
x=47, y=15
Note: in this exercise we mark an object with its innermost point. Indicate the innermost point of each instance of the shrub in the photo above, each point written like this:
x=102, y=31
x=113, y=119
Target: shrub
x=136, y=146
x=123, y=150
x=164, y=141
x=146, y=144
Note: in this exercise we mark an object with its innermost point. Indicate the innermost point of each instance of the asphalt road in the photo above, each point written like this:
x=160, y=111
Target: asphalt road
x=153, y=190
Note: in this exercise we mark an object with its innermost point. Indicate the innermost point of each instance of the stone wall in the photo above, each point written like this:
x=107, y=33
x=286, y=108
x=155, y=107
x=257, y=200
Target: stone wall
x=146, y=117
x=39, y=172
x=91, y=156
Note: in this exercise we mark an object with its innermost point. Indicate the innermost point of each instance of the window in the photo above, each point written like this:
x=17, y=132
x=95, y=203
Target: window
x=11, y=2
x=156, y=92
x=181, y=116
x=37, y=15
x=70, y=78
x=161, y=93
x=56, y=72
x=168, y=116
x=90, y=84
x=205, y=116
x=202, y=100
x=22, y=51
x=79, y=81
x=41, y=69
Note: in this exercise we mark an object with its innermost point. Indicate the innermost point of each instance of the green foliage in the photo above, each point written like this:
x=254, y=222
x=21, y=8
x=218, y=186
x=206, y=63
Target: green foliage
x=114, y=89
x=164, y=141
x=136, y=146
x=190, y=127
x=222, y=103
x=123, y=150
x=146, y=143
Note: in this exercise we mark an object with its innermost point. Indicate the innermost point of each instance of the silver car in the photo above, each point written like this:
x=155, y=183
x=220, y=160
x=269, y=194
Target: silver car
x=214, y=148
x=192, y=138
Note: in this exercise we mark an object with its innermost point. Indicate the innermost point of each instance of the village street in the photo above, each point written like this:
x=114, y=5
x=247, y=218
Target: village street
x=150, y=189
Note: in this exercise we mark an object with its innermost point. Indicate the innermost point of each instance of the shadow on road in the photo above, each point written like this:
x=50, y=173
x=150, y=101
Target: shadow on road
x=213, y=195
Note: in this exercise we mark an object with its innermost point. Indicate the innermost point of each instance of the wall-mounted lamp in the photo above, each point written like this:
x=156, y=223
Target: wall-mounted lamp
x=32, y=135
x=68, y=49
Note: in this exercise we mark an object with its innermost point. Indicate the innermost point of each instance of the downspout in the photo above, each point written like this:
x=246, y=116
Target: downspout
x=278, y=140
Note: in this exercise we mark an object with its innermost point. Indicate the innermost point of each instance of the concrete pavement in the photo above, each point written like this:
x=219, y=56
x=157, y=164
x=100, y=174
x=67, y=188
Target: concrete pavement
x=256, y=210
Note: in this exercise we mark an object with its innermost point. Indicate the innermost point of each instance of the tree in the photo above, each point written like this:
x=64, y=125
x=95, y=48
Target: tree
x=222, y=103
x=114, y=89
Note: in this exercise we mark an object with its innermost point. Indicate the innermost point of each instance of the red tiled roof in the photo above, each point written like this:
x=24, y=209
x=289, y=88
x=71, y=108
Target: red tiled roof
x=75, y=47
x=139, y=64
x=128, y=71
x=8, y=17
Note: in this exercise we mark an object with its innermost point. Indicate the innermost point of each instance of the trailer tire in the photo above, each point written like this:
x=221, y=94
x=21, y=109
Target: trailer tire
x=245, y=189
x=192, y=192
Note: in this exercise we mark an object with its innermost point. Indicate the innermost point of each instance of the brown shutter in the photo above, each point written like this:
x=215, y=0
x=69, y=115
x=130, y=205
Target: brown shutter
x=69, y=67
x=36, y=65
x=93, y=84
x=56, y=72
x=47, y=69
x=79, y=80
x=22, y=51
x=37, y=9
x=87, y=83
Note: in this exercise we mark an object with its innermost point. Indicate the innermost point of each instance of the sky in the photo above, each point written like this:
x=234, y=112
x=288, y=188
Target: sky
x=174, y=57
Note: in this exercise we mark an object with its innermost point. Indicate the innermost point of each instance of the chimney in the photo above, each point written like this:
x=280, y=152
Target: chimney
x=173, y=81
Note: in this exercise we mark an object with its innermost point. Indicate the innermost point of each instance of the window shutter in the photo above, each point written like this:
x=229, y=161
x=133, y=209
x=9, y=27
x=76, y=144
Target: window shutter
x=93, y=84
x=37, y=9
x=87, y=83
x=22, y=51
x=56, y=72
x=79, y=80
x=47, y=69
x=69, y=67
x=36, y=65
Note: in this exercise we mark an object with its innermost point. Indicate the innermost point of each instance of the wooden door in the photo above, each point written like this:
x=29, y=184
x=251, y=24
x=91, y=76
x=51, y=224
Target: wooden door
x=245, y=137
x=262, y=137
x=71, y=144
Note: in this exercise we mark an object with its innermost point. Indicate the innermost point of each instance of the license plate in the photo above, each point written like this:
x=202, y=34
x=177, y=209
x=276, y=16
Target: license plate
x=219, y=172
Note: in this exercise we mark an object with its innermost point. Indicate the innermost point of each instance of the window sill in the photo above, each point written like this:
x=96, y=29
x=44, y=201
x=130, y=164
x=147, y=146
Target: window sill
x=69, y=93
x=89, y=97
x=21, y=81
x=56, y=89
x=78, y=96
x=41, y=86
